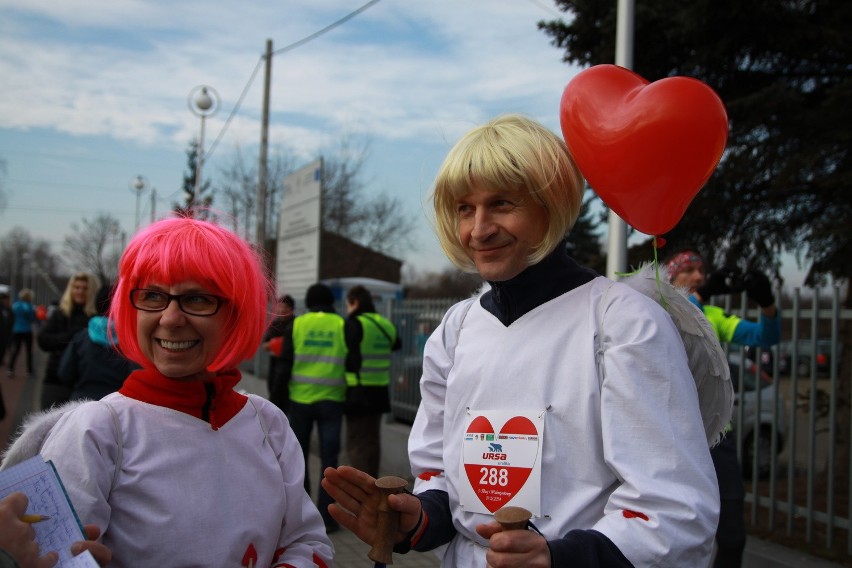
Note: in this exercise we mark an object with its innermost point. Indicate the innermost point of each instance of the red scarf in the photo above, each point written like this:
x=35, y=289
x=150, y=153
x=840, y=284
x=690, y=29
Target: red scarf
x=212, y=399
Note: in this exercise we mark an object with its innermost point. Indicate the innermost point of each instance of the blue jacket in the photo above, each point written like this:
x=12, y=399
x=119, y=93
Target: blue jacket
x=24, y=313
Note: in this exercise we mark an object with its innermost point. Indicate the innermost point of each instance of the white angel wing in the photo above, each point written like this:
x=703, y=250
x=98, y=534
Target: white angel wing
x=707, y=360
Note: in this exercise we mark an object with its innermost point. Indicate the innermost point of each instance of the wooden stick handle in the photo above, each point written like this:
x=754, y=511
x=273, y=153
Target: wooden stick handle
x=513, y=518
x=387, y=523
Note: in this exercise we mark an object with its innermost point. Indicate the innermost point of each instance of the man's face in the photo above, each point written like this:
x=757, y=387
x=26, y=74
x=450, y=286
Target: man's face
x=500, y=230
x=690, y=277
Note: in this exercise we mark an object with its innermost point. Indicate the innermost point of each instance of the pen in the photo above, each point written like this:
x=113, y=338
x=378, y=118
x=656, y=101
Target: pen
x=33, y=518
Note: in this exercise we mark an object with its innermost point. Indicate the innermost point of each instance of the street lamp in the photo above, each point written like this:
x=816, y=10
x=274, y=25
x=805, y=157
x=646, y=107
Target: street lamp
x=138, y=185
x=203, y=102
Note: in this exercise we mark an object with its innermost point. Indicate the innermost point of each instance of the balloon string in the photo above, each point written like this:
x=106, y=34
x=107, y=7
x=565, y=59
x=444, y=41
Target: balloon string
x=657, y=273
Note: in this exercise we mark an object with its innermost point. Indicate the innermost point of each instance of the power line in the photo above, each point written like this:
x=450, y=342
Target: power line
x=284, y=49
x=328, y=28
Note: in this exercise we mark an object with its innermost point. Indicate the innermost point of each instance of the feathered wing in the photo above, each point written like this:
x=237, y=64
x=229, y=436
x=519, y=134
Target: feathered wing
x=707, y=361
x=28, y=439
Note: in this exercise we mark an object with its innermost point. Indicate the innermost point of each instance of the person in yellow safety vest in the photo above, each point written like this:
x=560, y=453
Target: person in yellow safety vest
x=686, y=270
x=370, y=339
x=313, y=359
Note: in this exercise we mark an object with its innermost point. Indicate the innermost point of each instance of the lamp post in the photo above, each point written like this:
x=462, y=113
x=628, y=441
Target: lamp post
x=203, y=102
x=138, y=185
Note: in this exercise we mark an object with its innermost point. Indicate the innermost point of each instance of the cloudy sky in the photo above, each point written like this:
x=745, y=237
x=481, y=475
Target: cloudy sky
x=95, y=93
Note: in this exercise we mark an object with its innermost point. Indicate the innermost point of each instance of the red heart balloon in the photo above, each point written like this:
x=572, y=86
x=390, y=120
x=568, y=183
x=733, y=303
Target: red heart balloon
x=646, y=149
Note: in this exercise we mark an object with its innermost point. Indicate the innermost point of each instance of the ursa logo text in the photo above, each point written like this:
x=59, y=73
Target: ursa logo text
x=494, y=456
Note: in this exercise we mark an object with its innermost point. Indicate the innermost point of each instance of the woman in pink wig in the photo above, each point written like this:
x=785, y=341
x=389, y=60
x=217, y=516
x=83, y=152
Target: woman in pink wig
x=178, y=468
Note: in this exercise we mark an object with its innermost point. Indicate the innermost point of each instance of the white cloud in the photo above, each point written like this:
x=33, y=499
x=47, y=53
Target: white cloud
x=411, y=74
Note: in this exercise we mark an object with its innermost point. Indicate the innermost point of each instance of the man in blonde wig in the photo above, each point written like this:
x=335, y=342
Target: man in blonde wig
x=557, y=390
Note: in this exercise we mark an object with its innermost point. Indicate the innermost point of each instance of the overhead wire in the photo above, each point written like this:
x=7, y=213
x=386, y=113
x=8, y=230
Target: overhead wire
x=279, y=51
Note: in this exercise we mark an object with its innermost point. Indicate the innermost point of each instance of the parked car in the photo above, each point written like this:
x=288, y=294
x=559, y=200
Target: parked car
x=756, y=429
x=804, y=355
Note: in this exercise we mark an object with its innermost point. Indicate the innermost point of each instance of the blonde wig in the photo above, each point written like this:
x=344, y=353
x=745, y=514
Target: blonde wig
x=511, y=153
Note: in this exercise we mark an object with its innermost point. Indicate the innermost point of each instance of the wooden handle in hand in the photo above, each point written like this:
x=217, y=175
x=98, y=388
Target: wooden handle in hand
x=513, y=518
x=387, y=523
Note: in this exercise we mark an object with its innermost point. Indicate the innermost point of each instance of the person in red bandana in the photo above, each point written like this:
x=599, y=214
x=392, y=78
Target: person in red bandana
x=178, y=468
x=686, y=270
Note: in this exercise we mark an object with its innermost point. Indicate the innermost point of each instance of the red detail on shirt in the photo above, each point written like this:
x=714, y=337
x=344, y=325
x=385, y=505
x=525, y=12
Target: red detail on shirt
x=189, y=397
x=250, y=556
x=628, y=514
x=278, y=554
x=318, y=561
x=427, y=475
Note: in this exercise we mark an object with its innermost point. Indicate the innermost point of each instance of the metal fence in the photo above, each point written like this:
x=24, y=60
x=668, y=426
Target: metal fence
x=789, y=408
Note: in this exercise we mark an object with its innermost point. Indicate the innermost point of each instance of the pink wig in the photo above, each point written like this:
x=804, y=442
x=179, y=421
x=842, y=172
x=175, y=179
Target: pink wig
x=182, y=249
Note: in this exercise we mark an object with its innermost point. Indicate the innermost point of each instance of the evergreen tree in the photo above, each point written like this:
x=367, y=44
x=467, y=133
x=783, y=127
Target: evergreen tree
x=197, y=201
x=783, y=72
x=583, y=242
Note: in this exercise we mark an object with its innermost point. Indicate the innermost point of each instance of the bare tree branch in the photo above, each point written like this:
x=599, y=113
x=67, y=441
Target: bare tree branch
x=95, y=246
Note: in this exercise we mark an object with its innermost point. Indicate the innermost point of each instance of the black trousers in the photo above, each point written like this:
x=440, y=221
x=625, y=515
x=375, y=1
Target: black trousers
x=731, y=532
x=19, y=339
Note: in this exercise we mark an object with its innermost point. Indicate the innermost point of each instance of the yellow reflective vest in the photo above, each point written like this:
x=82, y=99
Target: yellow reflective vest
x=376, y=342
x=319, y=358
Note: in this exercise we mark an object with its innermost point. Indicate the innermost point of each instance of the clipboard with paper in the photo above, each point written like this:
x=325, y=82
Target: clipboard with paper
x=39, y=480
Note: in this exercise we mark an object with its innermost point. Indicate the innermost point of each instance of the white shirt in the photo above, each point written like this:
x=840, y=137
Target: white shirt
x=623, y=437
x=187, y=495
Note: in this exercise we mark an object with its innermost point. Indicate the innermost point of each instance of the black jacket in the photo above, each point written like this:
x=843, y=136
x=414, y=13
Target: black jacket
x=55, y=336
x=93, y=369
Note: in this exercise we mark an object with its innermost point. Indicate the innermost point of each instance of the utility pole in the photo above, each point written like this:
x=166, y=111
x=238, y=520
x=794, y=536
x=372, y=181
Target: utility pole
x=153, y=203
x=264, y=148
x=616, y=258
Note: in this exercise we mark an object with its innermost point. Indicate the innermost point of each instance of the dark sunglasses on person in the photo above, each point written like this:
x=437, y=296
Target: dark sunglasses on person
x=194, y=303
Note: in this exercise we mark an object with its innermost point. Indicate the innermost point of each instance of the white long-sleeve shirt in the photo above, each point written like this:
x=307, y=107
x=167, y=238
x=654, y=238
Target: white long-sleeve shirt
x=623, y=450
x=186, y=494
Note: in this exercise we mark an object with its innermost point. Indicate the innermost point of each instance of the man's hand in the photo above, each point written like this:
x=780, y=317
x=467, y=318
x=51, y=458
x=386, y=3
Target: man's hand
x=514, y=548
x=356, y=504
x=100, y=552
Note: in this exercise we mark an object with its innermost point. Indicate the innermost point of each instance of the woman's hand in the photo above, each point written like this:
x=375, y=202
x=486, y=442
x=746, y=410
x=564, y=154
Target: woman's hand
x=99, y=551
x=357, y=503
x=515, y=548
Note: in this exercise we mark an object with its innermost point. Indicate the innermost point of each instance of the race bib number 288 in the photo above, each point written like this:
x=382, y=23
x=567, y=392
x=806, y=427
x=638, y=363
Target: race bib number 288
x=501, y=457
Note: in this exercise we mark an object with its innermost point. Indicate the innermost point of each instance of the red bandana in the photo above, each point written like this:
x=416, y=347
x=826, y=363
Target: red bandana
x=189, y=397
x=682, y=261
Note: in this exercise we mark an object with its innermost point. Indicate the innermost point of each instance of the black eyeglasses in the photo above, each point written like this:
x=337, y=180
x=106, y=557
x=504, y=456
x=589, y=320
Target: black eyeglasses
x=194, y=304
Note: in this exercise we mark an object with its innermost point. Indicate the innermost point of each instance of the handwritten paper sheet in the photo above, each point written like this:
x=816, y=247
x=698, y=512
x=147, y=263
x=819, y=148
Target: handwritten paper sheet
x=39, y=480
